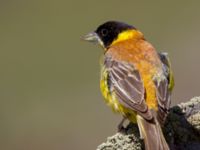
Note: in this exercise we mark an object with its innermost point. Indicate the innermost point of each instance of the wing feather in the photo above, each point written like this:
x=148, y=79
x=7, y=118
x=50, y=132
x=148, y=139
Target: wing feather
x=128, y=86
x=164, y=85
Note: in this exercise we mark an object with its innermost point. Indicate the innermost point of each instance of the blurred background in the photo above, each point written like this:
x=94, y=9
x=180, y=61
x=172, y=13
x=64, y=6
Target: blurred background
x=49, y=78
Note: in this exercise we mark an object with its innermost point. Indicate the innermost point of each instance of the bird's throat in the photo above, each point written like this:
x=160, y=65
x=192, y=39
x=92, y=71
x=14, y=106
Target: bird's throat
x=127, y=35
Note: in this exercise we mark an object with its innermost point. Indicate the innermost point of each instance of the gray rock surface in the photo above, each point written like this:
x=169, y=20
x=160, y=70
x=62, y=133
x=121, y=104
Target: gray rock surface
x=181, y=130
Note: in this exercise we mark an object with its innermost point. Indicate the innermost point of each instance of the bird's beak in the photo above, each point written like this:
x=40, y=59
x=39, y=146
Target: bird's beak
x=93, y=38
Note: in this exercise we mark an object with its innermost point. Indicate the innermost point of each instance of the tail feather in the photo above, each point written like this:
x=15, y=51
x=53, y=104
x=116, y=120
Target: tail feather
x=152, y=134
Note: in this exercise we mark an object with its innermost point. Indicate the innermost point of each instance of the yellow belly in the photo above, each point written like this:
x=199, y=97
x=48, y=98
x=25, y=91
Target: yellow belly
x=112, y=101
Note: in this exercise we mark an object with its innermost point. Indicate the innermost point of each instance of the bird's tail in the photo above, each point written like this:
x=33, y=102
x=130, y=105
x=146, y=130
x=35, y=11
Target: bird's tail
x=152, y=134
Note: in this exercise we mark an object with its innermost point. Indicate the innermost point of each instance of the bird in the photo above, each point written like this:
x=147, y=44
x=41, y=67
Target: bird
x=136, y=81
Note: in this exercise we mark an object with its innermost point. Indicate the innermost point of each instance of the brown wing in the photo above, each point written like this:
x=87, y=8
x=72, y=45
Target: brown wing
x=126, y=82
x=164, y=85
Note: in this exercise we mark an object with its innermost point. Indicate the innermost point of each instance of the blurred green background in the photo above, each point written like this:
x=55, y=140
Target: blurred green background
x=49, y=78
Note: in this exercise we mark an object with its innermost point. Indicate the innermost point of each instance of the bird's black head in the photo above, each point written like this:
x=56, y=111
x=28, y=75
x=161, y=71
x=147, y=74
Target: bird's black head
x=107, y=33
x=110, y=30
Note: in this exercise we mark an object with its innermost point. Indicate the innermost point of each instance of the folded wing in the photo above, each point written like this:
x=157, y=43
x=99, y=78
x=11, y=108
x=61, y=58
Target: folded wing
x=126, y=82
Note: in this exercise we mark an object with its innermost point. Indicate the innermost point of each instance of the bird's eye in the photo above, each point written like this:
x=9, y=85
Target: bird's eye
x=104, y=32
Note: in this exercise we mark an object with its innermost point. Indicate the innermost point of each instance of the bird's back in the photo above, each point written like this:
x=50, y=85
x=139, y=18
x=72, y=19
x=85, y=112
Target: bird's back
x=145, y=59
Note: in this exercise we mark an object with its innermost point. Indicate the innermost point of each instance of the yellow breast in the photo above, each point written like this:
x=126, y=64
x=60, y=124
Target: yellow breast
x=111, y=99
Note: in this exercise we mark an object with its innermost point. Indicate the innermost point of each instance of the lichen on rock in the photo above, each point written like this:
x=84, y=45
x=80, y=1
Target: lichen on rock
x=181, y=130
